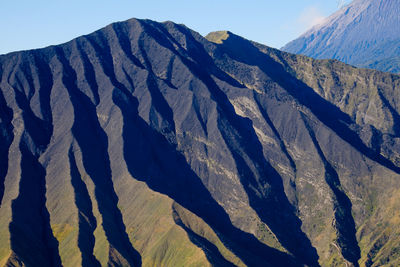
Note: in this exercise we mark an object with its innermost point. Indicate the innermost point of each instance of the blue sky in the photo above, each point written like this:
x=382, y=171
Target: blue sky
x=30, y=24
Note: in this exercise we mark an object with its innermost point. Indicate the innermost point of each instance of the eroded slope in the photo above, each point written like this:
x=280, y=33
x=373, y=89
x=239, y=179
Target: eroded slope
x=146, y=144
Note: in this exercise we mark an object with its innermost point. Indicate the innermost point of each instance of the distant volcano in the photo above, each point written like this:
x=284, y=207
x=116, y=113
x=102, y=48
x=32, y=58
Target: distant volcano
x=365, y=33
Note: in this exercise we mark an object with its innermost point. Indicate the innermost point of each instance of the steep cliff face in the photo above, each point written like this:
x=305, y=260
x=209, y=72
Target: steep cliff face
x=364, y=33
x=146, y=144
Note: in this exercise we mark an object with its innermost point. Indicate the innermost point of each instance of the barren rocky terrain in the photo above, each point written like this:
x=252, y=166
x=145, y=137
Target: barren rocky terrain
x=145, y=143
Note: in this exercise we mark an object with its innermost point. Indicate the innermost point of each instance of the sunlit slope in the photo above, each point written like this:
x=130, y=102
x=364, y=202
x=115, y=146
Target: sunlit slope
x=146, y=144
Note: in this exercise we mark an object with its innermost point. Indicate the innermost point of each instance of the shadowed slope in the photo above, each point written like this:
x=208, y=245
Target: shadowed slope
x=6, y=137
x=273, y=168
x=211, y=251
x=32, y=240
x=158, y=159
x=93, y=143
x=325, y=111
x=32, y=226
x=261, y=182
x=87, y=221
x=143, y=146
x=344, y=221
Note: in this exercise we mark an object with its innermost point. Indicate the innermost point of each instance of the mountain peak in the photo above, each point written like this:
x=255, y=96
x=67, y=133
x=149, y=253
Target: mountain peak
x=218, y=36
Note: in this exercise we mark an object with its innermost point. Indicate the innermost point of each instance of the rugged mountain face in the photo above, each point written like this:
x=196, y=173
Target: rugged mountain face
x=365, y=33
x=146, y=144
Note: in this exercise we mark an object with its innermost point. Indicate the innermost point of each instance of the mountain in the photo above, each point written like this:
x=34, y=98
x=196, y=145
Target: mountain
x=145, y=143
x=365, y=33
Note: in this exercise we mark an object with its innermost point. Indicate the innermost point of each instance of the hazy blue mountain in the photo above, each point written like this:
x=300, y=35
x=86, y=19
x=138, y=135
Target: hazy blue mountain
x=147, y=144
x=365, y=33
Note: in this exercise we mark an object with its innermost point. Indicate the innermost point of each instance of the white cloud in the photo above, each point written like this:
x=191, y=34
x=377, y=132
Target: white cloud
x=305, y=20
x=310, y=17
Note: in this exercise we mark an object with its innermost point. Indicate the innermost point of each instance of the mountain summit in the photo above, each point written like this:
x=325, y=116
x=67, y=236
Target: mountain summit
x=365, y=33
x=146, y=144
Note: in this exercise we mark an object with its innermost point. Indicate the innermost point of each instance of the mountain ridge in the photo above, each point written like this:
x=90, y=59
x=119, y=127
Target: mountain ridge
x=145, y=136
